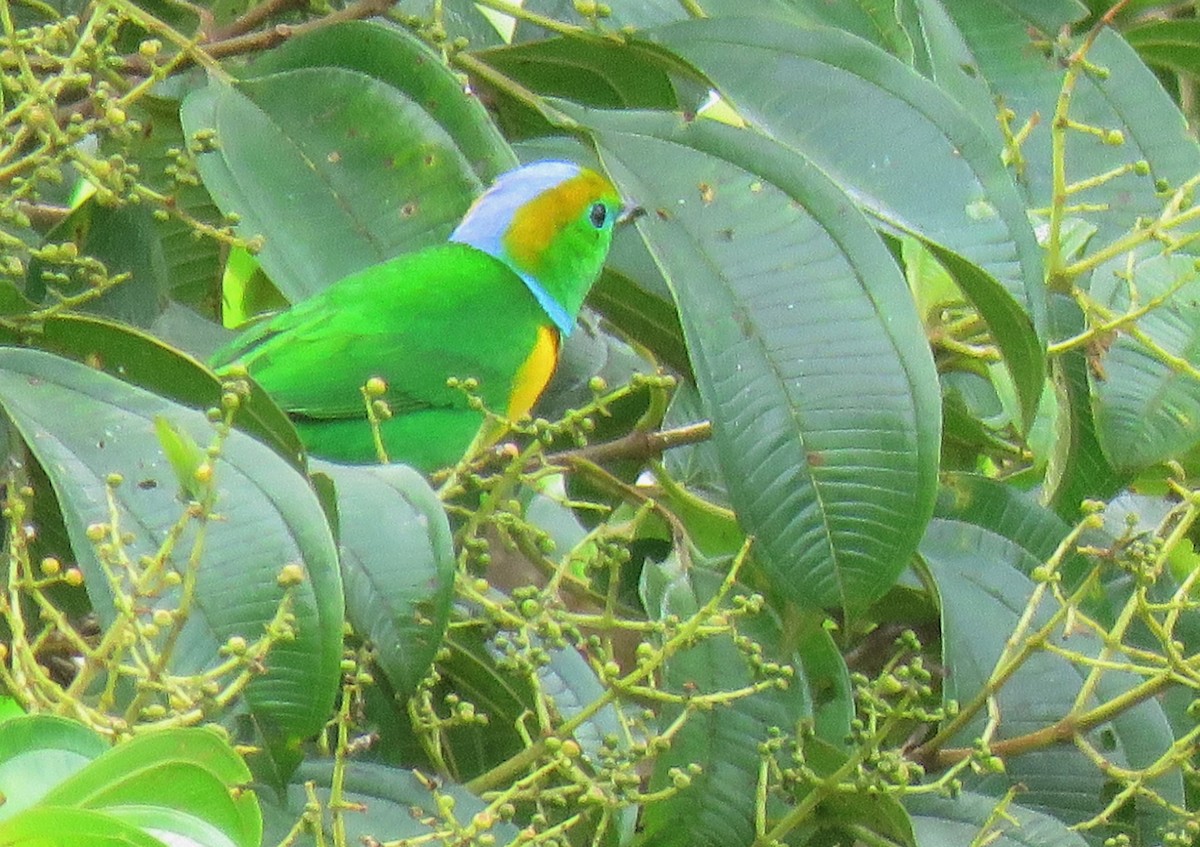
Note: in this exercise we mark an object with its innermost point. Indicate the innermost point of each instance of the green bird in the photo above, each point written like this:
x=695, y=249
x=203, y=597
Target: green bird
x=492, y=304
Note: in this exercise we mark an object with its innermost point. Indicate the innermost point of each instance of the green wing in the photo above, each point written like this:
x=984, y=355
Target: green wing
x=414, y=321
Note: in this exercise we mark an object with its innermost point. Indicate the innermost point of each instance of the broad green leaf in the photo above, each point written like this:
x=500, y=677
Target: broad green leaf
x=175, y=797
x=918, y=164
x=374, y=170
x=191, y=264
x=981, y=581
x=600, y=74
x=642, y=317
x=942, y=822
x=270, y=519
x=394, y=58
x=1147, y=405
x=636, y=14
x=805, y=345
x=1004, y=510
x=174, y=827
x=572, y=684
x=392, y=804
x=184, y=455
x=828, y=681
x=847, y=815
x=397, y=565
x=1077, y=469
x=190, y=771
x=459, y=19
x=36, y=753
x=126, y=240
x=145, y=361
x=52, y=827
x=468, y=668
x=1173, y=45
x=1003, y=46
x=718, y=807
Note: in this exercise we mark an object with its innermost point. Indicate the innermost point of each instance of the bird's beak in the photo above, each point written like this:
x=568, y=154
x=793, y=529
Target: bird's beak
x=629, y=214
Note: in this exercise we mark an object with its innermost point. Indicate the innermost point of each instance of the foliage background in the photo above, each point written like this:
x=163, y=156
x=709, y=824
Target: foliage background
x=860, y=510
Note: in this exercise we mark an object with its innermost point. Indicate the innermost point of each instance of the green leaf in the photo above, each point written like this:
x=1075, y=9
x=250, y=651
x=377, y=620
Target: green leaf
x=406, y=64
x=600, y=74
x=374, y=170
x=460, y=19
x=851, y=813
x=36, y=753
x=125, y=239
x=145, y=361
x=397, y=565
x=187, y=784
x=1077, y=469
x=394, y=804
x=1147, y=406
x=636, y=14
x=190, y=771
x=1173, y=45
x=807, y=351
x=183, y=453
x=997, y=508
x=942, y=822
x=718, y=807
x=918, y=165
x=980, y=575
x=642, y=317
x=828, y=681
x=191, y=265
x=468, y=668
x=1003, y=47
x=271, y=519
x=51, y=827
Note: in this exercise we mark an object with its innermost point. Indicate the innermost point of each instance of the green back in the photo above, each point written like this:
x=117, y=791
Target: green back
x=413, y=321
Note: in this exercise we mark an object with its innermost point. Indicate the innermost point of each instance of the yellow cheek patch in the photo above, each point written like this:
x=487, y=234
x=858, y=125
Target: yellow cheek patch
x=534, y=373
x=536, y=223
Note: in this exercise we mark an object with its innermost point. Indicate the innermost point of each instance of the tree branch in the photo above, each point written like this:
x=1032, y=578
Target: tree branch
x=637, y=445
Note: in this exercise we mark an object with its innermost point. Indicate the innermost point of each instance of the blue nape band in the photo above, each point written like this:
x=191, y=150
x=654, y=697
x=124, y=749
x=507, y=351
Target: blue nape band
x=557, y=313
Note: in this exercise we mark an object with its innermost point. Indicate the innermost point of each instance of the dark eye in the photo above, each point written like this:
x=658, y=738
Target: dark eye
x=598, y=215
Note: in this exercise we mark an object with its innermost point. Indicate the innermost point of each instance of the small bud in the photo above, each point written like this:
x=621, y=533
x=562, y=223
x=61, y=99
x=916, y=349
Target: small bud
x=375, y=387
x=290, y=575
x=51, y=566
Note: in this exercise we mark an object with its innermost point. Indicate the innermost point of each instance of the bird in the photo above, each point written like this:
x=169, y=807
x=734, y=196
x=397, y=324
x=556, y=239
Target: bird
x=492, y=304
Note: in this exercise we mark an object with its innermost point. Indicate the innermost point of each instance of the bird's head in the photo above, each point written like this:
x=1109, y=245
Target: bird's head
x=552, y=223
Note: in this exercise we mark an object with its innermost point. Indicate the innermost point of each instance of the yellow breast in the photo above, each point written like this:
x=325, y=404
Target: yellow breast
x=534, y=373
